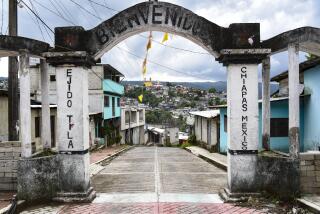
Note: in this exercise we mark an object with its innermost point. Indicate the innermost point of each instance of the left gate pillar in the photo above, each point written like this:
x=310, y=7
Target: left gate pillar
x=243, y=119
x=72, y=125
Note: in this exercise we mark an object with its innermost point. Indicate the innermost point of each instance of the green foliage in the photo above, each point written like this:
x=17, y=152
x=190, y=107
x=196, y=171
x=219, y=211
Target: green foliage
x=182, y=123
x=159, y=117
x=172, y=93
x=184, y=145
x=148, y=97
x=192, y=140
x=113, y=135
x=212, y=90
x=168, y=143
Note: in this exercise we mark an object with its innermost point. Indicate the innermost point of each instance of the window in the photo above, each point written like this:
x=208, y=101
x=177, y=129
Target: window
x=141, y=115
x=279, y=127
x=113, y=106
x=37, y=127
x=118, y=102
x=52, y=78
x=225, y=122
x=127, y=117
x=133, y=116
x=106, y=101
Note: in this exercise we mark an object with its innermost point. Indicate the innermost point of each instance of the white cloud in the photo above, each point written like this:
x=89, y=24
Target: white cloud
x=275, y=16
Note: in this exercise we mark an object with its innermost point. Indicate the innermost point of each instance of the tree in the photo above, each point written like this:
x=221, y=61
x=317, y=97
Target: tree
x=212, y=90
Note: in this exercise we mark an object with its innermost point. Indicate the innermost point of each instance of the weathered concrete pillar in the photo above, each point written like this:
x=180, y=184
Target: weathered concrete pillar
x=243, y=118
x=72, y=125
x=45, y=109
x=266, y=103
x=25, y=108
x=243, y=127
x=294, y=103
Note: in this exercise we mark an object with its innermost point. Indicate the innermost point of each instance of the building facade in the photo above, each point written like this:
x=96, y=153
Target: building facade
x=206, y=128
x=279, y=122
x=112, y=92
x=35, y=122
x=132, y=125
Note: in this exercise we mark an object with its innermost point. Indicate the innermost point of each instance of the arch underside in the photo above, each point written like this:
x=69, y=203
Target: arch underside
x=137, y=31
x=154, y=16
x=308, y=39
x=13, y=45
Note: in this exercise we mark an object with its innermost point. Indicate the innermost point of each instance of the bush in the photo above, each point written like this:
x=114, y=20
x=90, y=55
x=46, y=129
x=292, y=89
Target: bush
x=192, y=140
x=184, y=145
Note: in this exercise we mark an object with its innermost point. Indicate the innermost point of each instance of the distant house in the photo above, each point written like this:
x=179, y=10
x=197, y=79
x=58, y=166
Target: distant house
x=206, y=128
x=132, y=125
x=309, y=111
x=35, y=121
x=112, y=90
x=159, y=134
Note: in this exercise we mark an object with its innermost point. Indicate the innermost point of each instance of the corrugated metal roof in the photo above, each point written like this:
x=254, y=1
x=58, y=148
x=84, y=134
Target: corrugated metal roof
x=206, y=114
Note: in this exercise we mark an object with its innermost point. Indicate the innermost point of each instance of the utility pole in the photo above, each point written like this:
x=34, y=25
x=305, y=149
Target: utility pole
x=13, y=99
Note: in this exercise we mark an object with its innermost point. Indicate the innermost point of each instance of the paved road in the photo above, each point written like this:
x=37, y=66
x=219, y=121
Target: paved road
x=159, y=170
x=154, y=180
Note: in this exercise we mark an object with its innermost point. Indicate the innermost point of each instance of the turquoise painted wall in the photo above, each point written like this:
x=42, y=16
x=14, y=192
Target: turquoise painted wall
x=312, y=107
x=223, y=134
x=279, y=109
x=116, y=90
x=113, y=87
x=108, y=110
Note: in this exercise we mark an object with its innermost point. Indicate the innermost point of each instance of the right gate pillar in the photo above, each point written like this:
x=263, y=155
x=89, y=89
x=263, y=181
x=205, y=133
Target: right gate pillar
x=243, y=118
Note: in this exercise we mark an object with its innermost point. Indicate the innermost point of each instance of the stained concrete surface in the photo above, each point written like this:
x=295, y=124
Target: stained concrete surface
x=159, y=173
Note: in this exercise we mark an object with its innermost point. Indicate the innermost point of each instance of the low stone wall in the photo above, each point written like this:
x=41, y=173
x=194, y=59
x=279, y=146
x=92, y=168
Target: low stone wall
x=10, y=153
x=278, y=175
x=310, y=172
x=38, y=178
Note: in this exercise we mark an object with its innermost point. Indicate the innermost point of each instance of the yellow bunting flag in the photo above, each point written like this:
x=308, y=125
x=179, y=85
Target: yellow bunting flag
x=149, y=45
x=165, y=37
x=140, y=98
x=144, y=67
x=148, y=84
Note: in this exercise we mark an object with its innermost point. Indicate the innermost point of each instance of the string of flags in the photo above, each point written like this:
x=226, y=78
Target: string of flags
x=144, y=63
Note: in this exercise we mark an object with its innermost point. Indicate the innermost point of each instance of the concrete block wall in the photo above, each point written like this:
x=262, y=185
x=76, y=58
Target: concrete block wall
x=10, y=153
x=310, y=173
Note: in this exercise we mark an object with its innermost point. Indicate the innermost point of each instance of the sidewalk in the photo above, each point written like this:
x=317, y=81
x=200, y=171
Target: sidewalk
x=99, y=156
x=214, y=158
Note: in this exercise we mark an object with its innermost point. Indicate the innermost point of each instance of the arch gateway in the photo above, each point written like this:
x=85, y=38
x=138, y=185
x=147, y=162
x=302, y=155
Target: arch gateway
x=237, y=47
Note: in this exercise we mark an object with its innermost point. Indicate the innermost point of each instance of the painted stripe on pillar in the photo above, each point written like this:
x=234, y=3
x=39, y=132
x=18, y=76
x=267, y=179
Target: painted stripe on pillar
x=242, y=152
x=74, y=152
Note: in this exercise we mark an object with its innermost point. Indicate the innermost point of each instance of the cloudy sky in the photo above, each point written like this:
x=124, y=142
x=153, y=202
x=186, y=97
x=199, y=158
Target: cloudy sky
x=275, y=16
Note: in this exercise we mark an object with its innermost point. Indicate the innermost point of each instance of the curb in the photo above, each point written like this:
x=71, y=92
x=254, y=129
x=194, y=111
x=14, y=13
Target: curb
x=213, y=162
x=111, y=157
x=309, y=205
x=6, y=209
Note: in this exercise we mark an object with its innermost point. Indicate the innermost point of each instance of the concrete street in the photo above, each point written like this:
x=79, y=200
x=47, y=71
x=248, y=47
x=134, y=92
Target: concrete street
x=155, y=180
x=159, y=170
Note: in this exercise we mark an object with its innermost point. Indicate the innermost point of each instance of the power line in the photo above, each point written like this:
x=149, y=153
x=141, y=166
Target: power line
x=36, y=22
x=35, y=10
x=156, y=63
x=37, y=16
x=105, y=6
x=64, y=9
x=169, y=46
x=59, y=14
x=80, y=6
x=167, y=67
